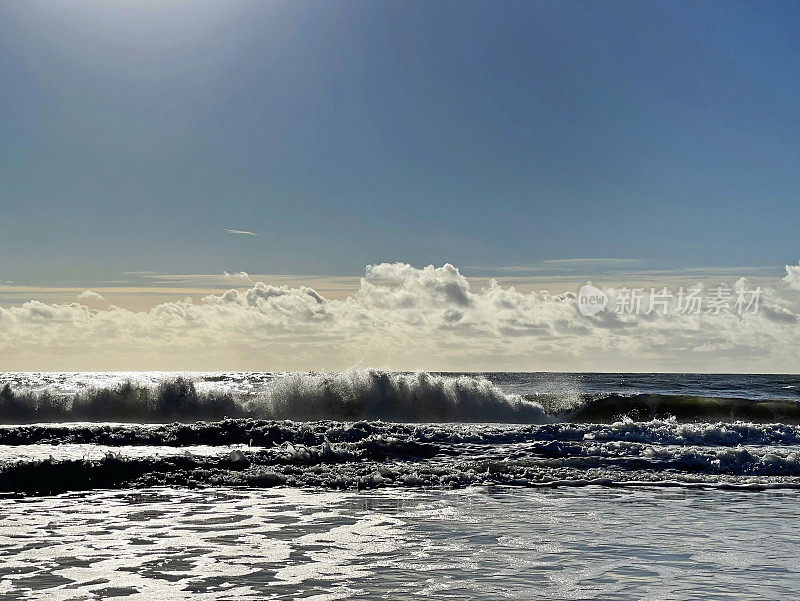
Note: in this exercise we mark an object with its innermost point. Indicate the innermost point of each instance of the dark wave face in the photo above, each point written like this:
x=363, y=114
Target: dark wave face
x=683, y=408
x=370, y=428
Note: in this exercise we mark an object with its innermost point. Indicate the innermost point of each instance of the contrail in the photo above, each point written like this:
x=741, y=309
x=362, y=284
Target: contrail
x=246, y=233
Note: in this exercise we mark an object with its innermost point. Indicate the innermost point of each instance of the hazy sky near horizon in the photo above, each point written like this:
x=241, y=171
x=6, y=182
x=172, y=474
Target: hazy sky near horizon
x=316, y=138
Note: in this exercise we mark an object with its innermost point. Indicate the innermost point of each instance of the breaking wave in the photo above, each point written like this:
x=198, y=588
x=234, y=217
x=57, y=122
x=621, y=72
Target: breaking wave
x=349, y=395
x=371, y=428
x=367, y=394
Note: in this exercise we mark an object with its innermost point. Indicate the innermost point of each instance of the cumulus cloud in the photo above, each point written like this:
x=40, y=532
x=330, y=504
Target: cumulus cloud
x=792, y=277
x=239, y=275
x=403, y=317
x=89, y=295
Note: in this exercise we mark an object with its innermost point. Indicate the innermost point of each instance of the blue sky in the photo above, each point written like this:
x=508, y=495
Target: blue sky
x=489, y=134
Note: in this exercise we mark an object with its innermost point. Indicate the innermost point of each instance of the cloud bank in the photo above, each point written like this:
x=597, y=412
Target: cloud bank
x=402, y=317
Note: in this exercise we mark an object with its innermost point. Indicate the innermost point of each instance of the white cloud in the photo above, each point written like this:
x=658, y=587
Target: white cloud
x=792, y=277
x=240, y=275
x=403, y=317
x=89, y=295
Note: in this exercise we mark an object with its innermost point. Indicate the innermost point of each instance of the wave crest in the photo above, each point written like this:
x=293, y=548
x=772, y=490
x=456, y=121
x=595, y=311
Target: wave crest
x=391, y=396
x=368, y=394
x=349, y=395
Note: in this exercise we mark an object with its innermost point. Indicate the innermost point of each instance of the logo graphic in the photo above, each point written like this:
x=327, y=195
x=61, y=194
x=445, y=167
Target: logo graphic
x=591, y=300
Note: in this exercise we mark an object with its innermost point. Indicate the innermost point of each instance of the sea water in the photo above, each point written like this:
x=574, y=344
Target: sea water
x=605, y=486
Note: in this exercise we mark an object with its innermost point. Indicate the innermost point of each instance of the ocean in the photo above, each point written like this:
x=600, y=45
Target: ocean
x=376, y=484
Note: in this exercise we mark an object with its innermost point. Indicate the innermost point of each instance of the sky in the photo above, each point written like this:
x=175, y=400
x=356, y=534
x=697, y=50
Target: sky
x=151, y=151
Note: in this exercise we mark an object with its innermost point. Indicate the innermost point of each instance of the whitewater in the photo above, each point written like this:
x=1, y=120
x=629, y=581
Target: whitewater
x=364, y=429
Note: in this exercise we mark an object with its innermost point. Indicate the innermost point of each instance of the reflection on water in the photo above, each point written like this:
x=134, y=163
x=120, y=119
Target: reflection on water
x=400, y=544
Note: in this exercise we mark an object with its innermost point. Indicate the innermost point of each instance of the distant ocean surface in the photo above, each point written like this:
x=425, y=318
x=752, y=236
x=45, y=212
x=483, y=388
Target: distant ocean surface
x=369, y=484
